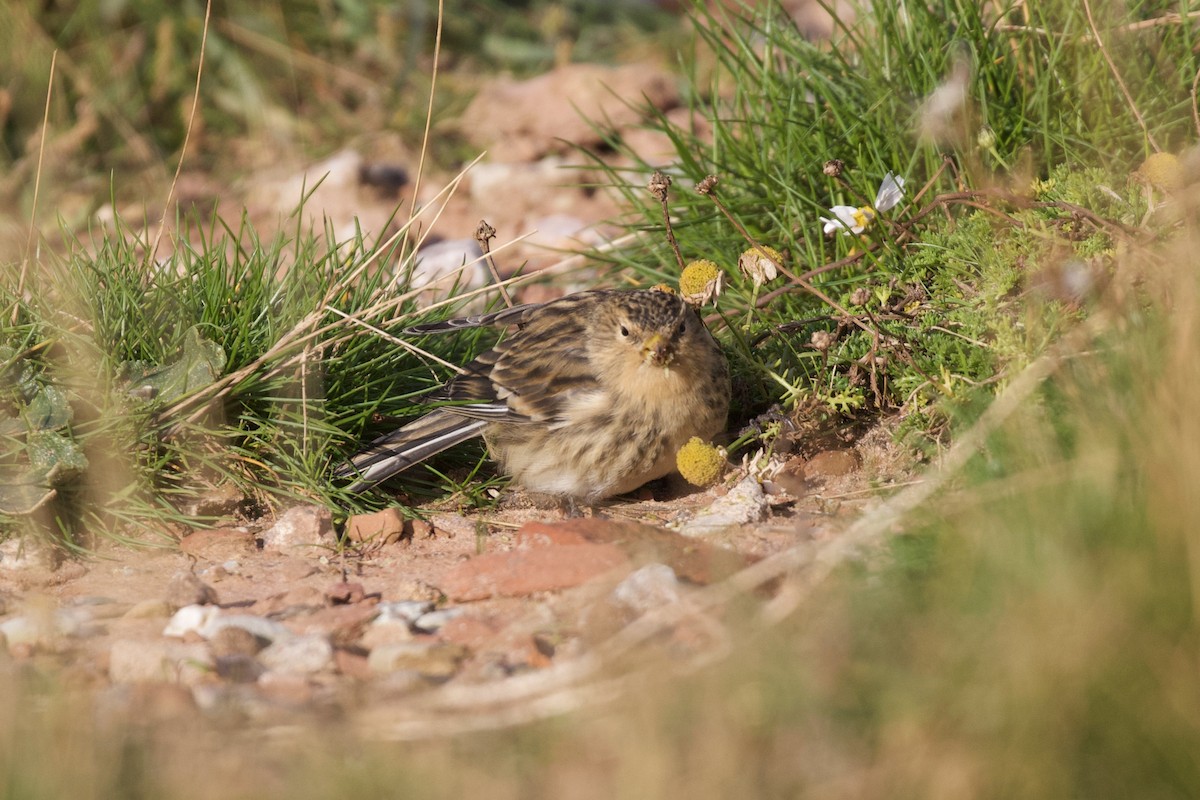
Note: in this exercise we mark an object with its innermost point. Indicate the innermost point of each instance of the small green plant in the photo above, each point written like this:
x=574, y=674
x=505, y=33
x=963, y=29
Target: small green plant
x=918, y=181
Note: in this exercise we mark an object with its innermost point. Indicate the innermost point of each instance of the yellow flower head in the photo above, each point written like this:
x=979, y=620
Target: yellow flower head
x=699, y=462
x=702, y=282
x=760, y=264
x=1161, y=170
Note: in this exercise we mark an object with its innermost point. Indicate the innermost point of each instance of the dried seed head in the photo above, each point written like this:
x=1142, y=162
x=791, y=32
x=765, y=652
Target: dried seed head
x=860, y=296
x=834, y=167
x=760, y=264
x=659, y=184
x=822, y=340
x=707, y=185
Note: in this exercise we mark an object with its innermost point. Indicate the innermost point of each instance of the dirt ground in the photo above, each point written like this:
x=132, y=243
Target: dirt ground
x=269, y=622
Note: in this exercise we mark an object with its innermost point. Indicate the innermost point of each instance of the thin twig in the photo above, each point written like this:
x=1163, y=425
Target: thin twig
x=1130, y=27
x=1195, y=109
x=396, y=340
x=484, y=235
x=660, y=187
x=187, y=134
x=37, y=185
x=437, y=52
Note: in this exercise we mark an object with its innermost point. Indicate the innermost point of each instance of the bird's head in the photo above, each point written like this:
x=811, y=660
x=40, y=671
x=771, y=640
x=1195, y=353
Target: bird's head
x=648, y=328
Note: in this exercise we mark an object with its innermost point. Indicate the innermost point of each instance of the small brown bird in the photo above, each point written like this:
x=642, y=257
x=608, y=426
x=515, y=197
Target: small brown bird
x=591, y=396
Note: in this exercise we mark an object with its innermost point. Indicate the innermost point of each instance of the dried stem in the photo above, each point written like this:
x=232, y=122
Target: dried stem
x=659, y=186
x=484, y=235
x=187, y=134
x=37, y=185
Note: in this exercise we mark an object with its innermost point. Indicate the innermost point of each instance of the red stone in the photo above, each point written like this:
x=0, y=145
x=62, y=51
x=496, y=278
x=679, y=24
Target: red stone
x=692, y=560
x=517, y=573
x=381, y=527
x=547, y=534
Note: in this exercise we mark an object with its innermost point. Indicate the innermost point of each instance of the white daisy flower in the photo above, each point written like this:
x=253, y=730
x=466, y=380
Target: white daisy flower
x=850, y=220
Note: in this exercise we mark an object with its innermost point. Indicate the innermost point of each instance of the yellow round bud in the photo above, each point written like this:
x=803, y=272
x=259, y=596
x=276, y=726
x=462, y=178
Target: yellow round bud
x=699, y=462
x=702, y=281
x=1161, y=170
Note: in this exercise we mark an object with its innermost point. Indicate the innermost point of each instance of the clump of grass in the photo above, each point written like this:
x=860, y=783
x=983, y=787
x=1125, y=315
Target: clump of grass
x=231, y=360
x=995, y=122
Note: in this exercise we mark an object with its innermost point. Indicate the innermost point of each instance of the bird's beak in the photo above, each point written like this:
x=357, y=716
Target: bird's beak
x=657, y=350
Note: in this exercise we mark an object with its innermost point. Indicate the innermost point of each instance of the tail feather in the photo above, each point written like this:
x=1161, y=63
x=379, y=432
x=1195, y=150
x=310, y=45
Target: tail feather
x=408, y=446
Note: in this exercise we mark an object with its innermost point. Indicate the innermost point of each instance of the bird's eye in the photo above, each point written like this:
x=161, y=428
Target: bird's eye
x=624, y=331
x=683, y=327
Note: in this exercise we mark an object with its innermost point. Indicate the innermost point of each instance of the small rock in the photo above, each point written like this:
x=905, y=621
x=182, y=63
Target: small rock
x=44, y=627
x=421, y=529
x=299, y=655
x=744, y=504
x=830, y=464
x=23, y=631
x=238, y=668
x=218, y=501
x=387, y=178
x=231, y=641
x=190, y=619
x=27, y=553
x=156, y=660
x=185, y=589
x=207, y=621
x=382, y=527
x=345, y=593
x=79, y=622
x=266, y=629
x=148, y=609
x=303, y=529
x=790, y=477
x=435, y=660
x=378, y=635
x=405, y=612
x=647, y=588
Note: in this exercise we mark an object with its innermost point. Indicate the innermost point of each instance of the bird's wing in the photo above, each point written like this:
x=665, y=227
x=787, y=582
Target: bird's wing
x=533, y=374
x=409, y=445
